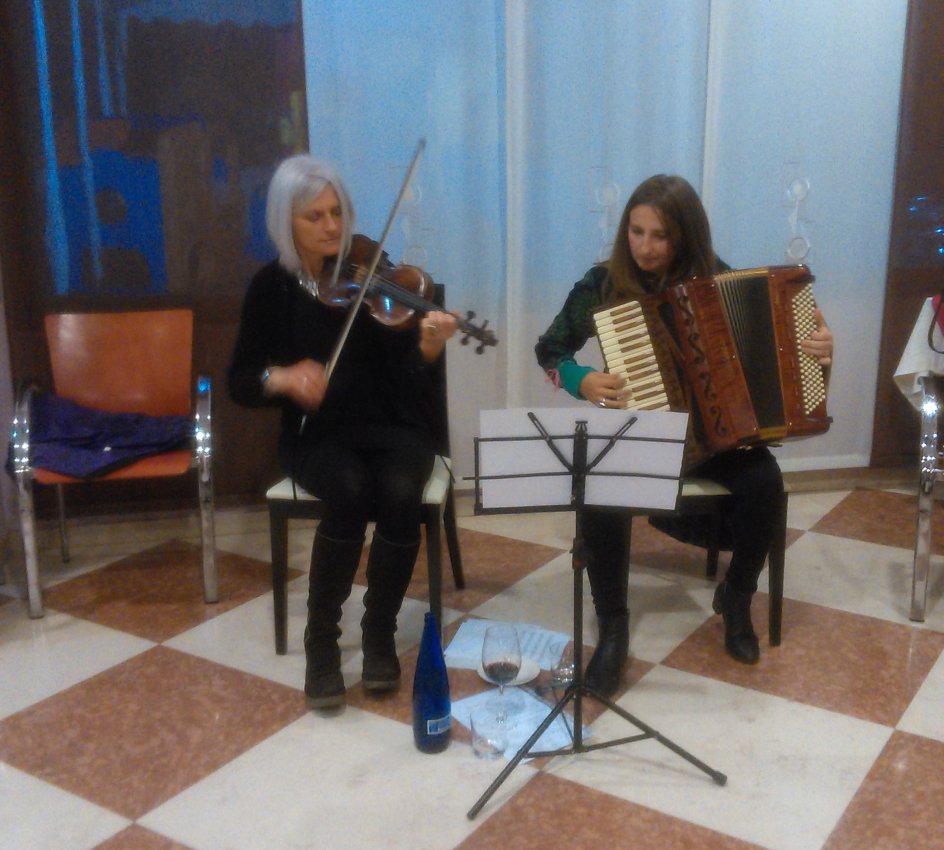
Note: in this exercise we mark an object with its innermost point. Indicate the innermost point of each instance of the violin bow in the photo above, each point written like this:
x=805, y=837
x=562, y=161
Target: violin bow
x=356, y=304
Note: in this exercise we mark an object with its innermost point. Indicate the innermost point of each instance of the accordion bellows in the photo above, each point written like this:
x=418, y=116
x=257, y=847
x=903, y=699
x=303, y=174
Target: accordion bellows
x=731, y=354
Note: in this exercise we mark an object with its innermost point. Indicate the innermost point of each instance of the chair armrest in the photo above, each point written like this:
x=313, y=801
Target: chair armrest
x=202, y=427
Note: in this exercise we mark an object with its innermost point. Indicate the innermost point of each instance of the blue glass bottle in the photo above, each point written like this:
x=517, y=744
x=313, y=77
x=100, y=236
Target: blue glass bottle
x=432, y=709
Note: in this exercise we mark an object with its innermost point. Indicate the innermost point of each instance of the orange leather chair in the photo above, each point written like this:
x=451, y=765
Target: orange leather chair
x=135, y=362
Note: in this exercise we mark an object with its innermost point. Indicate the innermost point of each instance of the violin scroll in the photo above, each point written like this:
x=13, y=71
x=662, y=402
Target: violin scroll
x=481, y=332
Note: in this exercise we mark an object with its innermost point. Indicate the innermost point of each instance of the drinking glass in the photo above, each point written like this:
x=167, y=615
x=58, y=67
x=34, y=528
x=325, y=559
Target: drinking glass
x=489, y=733
x=501, y=660
x=562, y=673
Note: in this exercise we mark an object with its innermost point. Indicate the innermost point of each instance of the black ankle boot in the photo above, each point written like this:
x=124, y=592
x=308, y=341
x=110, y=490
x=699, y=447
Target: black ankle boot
x=333, y=565
x=606, y=664
x=735, y=607
x=389, y=569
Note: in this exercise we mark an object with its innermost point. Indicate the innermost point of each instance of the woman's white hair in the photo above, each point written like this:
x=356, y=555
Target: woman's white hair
x=297, y=181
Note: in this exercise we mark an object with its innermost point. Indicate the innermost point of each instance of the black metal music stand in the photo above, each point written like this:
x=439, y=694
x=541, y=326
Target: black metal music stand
x=578, y=469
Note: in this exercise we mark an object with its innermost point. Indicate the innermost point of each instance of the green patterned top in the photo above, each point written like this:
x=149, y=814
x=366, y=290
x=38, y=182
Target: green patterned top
x=569, y=332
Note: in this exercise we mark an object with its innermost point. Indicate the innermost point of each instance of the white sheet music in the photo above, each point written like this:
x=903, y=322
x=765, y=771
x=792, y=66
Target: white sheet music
x=518, y=469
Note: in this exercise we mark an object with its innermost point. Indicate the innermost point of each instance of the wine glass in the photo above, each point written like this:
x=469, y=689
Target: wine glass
x=501, y=660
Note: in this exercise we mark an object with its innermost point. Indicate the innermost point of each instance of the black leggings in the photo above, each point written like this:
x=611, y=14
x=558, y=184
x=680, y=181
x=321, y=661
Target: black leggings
x=366, y=473
x=756, y=486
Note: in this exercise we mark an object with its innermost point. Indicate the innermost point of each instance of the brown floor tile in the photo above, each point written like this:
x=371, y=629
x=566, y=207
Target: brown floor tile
x=898, y=806
x=877, y=516
x=158, y=593
x=553, y=813
x=138, y=838
x=495, y=562
x=857, y=665
x=137, y=734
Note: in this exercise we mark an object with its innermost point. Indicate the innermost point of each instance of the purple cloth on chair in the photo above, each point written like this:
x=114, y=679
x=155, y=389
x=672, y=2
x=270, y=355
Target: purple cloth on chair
x=85, y=443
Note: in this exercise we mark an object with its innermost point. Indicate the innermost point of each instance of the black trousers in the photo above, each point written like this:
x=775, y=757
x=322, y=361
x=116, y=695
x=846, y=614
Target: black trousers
x=368, y=472
x=756, y=484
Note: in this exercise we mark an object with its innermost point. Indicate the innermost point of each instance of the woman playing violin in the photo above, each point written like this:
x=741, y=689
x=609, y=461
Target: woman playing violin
x=360, y=441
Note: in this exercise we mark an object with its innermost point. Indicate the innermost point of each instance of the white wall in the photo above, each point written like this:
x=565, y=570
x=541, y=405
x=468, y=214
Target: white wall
x=809, y=89
x=530, y=106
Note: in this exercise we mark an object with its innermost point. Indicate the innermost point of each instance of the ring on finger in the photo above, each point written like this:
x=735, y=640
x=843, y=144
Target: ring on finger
x=602, y=402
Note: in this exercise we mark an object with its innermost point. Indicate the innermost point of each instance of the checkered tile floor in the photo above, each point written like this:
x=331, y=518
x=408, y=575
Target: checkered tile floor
x=134, y=716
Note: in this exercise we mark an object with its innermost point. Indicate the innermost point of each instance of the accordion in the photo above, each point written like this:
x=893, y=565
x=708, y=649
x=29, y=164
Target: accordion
x=731, y=353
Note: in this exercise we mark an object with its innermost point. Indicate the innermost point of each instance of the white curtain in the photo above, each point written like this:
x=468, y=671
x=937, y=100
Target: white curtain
x=540, y=118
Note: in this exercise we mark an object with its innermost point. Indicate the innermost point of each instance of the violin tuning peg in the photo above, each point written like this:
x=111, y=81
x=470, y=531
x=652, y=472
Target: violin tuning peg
x=469, y=315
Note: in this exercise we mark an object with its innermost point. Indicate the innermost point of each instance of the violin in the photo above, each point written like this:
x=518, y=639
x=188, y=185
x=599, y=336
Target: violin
x=396, y=294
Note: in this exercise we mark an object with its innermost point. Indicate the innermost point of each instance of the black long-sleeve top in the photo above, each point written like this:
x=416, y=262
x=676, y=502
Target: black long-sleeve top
x=380, y=376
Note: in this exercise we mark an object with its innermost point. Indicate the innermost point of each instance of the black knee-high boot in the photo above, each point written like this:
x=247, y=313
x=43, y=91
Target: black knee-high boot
x=333, y=565
x=607, y=538
x=389, y=569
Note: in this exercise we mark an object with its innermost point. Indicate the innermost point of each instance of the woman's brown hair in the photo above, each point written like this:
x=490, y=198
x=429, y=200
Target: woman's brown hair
x=686, y=225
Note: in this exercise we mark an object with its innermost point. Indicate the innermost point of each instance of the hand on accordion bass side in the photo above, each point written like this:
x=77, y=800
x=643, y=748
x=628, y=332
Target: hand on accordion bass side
x=820, y=343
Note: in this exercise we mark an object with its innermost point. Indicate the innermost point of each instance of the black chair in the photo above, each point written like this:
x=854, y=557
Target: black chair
x=701, y=497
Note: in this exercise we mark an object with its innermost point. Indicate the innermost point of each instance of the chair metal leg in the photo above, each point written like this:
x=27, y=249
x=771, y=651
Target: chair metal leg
x=432, y=521
x=63, y=531
x=452, y=540
x=930, y=471
x=776, y=560
x=28, y=530
x=922, y=555
x=211, y=584
x=278, y=540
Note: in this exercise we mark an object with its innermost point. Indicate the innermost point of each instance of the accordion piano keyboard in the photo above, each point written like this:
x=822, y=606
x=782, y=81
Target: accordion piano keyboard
x=628, y=352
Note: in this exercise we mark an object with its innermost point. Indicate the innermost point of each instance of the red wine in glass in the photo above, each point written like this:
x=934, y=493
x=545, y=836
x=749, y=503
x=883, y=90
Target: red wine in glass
x=501, y=658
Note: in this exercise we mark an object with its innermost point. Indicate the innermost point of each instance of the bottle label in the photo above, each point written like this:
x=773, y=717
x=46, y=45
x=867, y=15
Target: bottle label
x=438, y=725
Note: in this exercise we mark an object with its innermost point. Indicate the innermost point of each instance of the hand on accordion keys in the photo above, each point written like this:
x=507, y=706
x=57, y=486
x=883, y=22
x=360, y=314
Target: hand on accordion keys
x=820, y=342
x=604, y=389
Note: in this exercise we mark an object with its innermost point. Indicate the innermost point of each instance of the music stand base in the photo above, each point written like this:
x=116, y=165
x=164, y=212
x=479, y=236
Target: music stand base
x=574, y=693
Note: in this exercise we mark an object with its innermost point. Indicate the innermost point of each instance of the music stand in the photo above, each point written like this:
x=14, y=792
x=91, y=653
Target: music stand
x=513, y=465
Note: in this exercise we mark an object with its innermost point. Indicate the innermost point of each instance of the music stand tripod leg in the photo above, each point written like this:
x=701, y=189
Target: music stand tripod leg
x=522, y=753
x=578, y=689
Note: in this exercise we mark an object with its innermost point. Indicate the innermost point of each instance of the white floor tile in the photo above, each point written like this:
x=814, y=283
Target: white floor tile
x=791, y=769
x=349, y=781
x=41, y=657
x=37, y=815
x=804, y=510
x=863, y=578
x=548, y=529
x=925, y=715
x=664, y=610
x=244, y=637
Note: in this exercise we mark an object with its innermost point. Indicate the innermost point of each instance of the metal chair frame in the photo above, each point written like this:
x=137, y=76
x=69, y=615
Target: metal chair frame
x=24, y=474
x=931, y=470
